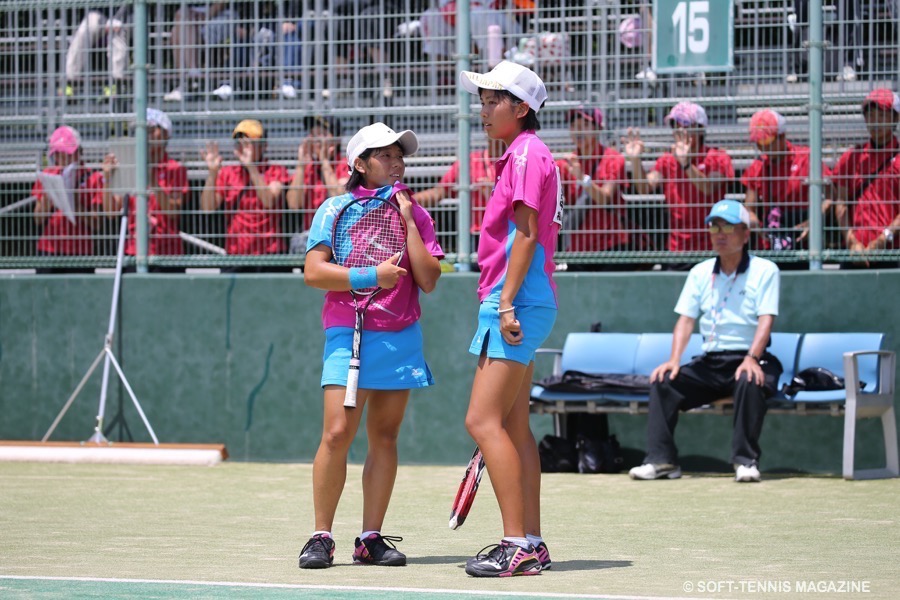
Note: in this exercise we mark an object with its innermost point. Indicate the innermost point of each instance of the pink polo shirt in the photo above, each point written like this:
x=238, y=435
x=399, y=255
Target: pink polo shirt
x=526, y=173
x=393, y=309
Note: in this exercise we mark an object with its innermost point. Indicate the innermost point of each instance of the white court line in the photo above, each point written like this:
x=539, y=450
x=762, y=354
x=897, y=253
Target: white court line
x=347, y=588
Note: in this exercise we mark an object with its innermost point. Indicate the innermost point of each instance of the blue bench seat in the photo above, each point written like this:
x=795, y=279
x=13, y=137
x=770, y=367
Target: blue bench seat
x=854, y=356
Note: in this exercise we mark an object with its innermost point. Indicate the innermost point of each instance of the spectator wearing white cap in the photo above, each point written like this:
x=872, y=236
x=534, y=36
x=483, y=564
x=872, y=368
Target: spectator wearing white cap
x=517, y=310
x=167, y=187
x=692, y=176
x=777, y=188
x=867, y=178
x=734, y=297
x=61, y=236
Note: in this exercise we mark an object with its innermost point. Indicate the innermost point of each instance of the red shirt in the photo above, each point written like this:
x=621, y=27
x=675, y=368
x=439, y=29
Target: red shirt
x=314, y=191
x=782, y=184
x=688, y=207
x=252, y=228
x=60, y=236
x=601, y=227
x=482, y=176
x=878, y=201
x=171, y=178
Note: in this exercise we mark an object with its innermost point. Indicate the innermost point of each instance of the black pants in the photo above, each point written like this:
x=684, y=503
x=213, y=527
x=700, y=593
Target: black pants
x=705, y=379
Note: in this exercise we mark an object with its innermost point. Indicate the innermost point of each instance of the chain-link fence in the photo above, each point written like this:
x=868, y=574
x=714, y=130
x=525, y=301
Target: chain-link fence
x=313, y=72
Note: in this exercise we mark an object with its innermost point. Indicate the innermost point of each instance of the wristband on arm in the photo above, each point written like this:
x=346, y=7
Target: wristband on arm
x=363, y=277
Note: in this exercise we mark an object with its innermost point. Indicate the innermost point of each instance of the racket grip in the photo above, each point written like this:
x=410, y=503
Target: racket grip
x=352, y=386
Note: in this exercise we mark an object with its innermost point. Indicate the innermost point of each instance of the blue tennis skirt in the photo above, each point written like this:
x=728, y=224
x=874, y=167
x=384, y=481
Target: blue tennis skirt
x=536, y=321
x=389, y=360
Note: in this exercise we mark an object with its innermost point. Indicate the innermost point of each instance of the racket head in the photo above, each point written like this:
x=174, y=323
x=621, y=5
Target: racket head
x=465, y=494
x=368, y=231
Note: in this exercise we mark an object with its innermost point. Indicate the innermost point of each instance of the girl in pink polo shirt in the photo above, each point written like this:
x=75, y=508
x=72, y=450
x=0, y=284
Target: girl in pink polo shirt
x=518, y=308
x=391, y=349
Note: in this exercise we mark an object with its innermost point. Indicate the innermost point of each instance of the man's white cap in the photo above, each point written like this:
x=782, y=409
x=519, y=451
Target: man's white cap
x=521, y=82
x=379, y=135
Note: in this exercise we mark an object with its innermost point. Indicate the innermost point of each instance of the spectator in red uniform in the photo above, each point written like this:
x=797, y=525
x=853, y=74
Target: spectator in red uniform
x=167, y=190
x=321, y=169
x=592, y=178
x=252, y=193
x=693, y=176
x=867, y=178
x=776, y=184
x=60, y=236
x=481, y=176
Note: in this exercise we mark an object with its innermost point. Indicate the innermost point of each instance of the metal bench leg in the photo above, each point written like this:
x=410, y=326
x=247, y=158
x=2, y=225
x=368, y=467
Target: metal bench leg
x=891, y=459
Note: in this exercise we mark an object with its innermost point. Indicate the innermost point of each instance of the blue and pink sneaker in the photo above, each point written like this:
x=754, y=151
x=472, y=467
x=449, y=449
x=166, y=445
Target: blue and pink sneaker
x=504, y=560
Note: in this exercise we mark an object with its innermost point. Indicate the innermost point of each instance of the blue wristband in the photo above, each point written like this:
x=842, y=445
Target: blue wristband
x=363, y=277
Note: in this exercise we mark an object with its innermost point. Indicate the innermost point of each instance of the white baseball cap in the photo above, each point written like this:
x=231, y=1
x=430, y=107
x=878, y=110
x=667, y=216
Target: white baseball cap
x=521, y=82
x=379, y=135
x=157, y=118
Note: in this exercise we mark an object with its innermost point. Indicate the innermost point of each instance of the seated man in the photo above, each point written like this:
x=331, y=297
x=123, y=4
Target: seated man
x=735, y=297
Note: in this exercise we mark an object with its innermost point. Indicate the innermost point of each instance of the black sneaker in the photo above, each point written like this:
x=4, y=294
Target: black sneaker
x=318, y=553
x=374, y=550
x=504, y=560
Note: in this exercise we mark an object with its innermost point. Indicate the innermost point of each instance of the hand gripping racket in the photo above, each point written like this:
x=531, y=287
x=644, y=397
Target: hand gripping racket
x=367, y=231
x=465, y=495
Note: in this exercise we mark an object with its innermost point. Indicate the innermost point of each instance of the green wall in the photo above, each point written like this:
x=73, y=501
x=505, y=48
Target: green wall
x=236, y=359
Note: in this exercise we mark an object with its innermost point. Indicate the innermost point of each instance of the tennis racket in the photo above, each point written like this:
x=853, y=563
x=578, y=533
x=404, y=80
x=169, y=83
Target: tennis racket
x=367, y=231
x=465, y=495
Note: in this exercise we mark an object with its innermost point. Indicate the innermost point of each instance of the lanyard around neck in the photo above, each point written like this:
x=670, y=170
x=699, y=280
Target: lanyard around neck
x=716, y=312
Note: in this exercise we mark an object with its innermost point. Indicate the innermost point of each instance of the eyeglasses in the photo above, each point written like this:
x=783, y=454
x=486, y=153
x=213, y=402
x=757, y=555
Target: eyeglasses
x=722, y=228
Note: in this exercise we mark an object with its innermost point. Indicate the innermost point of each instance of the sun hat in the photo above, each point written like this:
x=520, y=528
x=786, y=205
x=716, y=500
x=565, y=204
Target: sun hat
x=521, y=82
x=379, y=135
x=251, y=128
x=688, y=114
x=765, y=125
x=64, y=140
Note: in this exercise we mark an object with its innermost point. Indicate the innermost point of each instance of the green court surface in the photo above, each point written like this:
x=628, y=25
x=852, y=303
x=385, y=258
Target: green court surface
x=235, y=530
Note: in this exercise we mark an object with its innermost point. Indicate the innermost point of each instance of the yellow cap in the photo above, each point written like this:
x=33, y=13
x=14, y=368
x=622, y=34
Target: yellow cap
x=251, y=128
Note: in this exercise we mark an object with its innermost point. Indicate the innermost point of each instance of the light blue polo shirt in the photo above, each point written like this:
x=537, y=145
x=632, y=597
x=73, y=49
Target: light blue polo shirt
x=729, y=307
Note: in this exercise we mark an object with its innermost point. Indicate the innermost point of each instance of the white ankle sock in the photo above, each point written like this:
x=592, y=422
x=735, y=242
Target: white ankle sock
x=518, y=541
x=366, y=534
x=534, y=539
x=322, y=533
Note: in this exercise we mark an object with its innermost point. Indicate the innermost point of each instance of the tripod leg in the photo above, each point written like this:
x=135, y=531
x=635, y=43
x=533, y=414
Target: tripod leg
x=134, y=399
x=73, y=396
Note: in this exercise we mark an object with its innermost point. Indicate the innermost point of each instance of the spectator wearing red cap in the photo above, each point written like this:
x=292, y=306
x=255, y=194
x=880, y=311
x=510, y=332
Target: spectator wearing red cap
x=867, y=178
x=252, y=193
x=592, y=178
x=693, y=176
x=776, y=185
x=321, y=171
x=168, y=187
x=61, y=236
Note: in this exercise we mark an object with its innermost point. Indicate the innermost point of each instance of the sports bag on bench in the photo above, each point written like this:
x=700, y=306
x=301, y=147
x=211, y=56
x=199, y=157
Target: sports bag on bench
x=576, y=381
x=815, y=379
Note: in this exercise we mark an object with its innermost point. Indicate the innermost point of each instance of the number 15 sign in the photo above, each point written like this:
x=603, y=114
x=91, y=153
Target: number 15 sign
x=693, y=36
